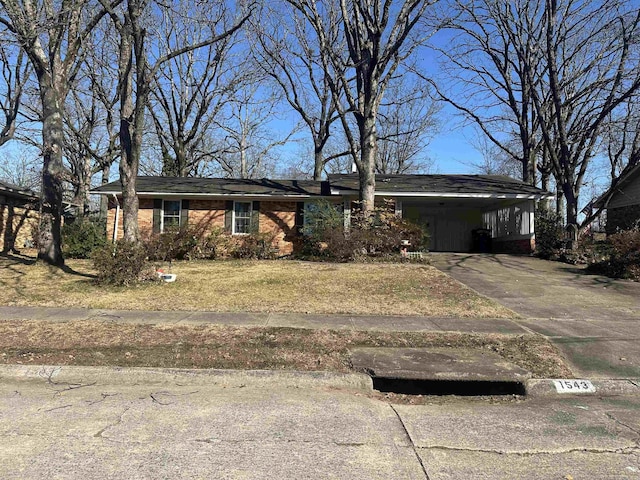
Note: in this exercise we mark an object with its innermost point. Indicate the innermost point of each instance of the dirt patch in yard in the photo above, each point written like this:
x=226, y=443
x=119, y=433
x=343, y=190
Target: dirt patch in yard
x=206, y=346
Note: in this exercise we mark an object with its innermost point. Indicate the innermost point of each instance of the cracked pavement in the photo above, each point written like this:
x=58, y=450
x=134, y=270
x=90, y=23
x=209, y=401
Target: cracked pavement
x=234, y=426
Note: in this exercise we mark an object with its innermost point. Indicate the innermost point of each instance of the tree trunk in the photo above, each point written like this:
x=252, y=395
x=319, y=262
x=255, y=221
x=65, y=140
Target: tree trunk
x=129, y=156
x=243, y=157
x=544, y=181
x=50, y=238
x=318, y=163
x=81, y=197
x=571, y=206
x=366, y=169
x=529, y=168
x=559, y=202
x=104, y=200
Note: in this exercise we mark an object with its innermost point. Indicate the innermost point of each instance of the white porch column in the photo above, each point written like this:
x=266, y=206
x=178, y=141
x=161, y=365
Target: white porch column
x=346, y=205
x=398, y=208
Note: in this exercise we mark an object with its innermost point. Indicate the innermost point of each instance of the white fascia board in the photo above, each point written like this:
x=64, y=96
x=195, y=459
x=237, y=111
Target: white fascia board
x=523, y=196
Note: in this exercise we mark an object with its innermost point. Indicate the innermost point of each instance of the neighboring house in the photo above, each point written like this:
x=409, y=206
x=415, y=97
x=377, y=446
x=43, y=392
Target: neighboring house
x=451, y=207
x=19, y=214
x=622, y=202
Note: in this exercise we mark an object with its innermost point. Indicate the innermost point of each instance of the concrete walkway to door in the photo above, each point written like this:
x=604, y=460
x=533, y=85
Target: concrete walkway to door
x=594, y=320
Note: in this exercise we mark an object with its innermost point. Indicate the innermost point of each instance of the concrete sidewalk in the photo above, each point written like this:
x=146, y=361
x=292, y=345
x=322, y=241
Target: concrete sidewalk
x=294, y=320
x=593, y=348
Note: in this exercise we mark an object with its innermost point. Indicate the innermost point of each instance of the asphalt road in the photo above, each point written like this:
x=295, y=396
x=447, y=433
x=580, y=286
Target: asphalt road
x=95, y=423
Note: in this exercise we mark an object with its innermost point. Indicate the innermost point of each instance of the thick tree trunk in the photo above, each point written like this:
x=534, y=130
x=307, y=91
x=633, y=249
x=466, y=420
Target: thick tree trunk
x=130, y=151
x=128, y=170
x=50, y=238
x=529, y=168
x=81, y=197
x=318, y=163
x=571, y=206
x=244, y=173
x=559, y=202
x=366, y=169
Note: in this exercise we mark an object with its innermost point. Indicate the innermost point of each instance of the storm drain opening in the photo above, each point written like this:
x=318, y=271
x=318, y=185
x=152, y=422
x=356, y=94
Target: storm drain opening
x=411, y=386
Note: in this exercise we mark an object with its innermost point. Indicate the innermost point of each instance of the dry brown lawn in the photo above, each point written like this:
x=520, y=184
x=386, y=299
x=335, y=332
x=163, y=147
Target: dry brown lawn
x=207, y=346
x=254, y=286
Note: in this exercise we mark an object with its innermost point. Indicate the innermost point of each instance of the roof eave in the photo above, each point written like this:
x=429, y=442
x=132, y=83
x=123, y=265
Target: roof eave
x=523, y=196
x=209, y=195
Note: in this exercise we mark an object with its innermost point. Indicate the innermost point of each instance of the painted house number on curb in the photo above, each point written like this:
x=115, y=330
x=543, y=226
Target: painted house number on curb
x=574, y=386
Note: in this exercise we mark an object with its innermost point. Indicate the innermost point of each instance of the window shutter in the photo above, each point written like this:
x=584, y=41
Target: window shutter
x=299, y=217
x=255, y=217
x=157, y=213
x=184, y=213
x=228, y=216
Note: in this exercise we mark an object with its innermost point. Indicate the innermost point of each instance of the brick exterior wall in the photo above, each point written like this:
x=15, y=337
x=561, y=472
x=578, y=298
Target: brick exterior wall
x=145, y=218
x=279, y=218
x=276, y=217
x=622, y=218
x=17, y=222
x=205, y=215
x=526, y=246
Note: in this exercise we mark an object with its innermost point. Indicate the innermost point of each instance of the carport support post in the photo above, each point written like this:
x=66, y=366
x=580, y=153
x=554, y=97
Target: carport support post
x=398, y=210
x=346, y=206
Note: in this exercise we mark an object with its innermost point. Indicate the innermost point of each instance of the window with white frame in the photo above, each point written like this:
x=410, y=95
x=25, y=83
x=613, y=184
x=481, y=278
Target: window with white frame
x=170, y=214
x=241, y=218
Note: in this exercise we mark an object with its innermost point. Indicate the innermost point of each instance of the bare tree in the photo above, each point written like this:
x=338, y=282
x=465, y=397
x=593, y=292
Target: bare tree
x=494, y=159
x=288, y=55
x=91, y=131
x=192, y=89
x=407, y=121
x=591, y=68
x=15, y=70
x=22, y=168
x=246, y=142
x=380, y=36
x=141, y=57
x=53, y=36
x=485, y=65
x=548, y=71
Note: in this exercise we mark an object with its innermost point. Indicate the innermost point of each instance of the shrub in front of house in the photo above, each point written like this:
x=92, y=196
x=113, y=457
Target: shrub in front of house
x=123, y=263
x=377, y=236
x=173, y=244
x=81, y=237
x=254, y=246
x=624, y=256
x=550, y=235
x=213, y=245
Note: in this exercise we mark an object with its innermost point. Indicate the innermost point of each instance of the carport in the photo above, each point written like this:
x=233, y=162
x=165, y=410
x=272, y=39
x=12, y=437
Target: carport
x=452, y=207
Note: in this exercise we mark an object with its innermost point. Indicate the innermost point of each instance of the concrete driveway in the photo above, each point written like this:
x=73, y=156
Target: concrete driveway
x=593, y=319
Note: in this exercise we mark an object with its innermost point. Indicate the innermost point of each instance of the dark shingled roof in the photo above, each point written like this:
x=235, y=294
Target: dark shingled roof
x=11, y=190
x=344, y=183
x=445, y=184
x=218, y=186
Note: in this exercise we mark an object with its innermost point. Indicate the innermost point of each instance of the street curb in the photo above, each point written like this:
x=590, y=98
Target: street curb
x=74, y=375
x=603, y=388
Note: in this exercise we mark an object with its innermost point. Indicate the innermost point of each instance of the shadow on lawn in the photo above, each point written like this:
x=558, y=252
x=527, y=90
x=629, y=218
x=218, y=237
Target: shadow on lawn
x=12, y=260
